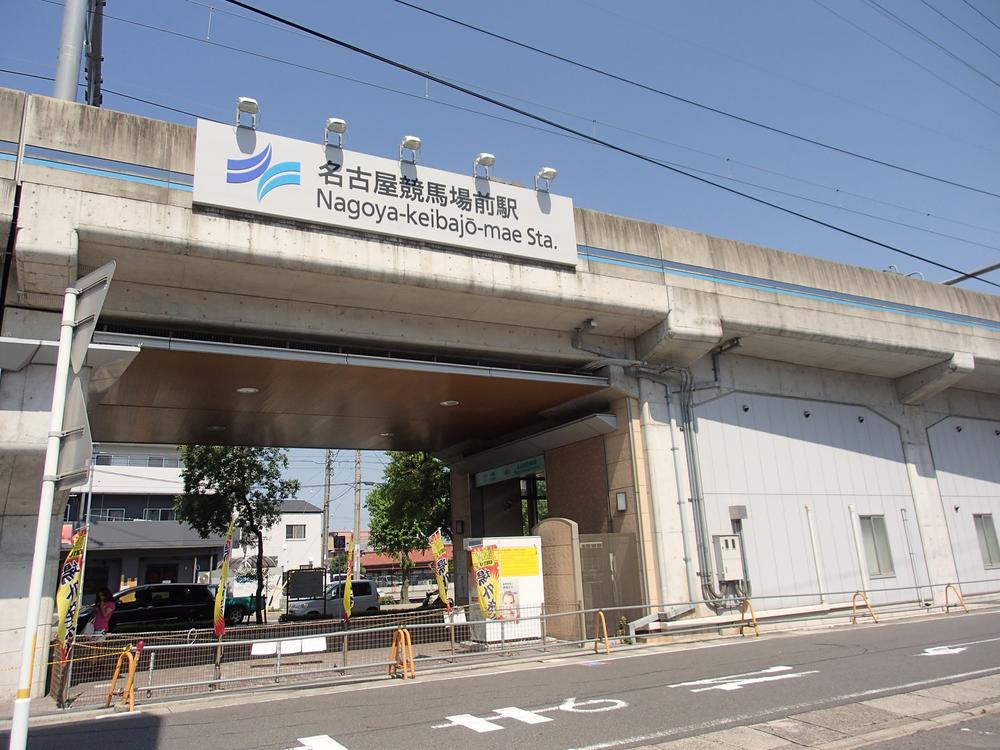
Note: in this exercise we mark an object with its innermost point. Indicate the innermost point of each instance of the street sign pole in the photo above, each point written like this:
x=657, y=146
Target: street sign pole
x=74, y=339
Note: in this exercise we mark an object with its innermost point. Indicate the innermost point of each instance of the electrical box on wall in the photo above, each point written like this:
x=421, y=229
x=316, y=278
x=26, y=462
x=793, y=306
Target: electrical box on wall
x=728, y=557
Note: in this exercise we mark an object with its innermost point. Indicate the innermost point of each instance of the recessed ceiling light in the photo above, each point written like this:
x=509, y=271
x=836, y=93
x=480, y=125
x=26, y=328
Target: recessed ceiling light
x=449, y=402
x=215, y=428
x=385, y=434
x=247, y=389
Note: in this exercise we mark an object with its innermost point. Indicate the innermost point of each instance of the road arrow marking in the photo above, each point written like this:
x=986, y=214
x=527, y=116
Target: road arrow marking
x=528, y=717
x=470, y=722
x=942, y=650
x=737, y=681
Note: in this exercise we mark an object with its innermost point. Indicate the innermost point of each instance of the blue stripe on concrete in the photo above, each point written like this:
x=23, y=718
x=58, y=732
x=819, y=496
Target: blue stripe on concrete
x=627, y=260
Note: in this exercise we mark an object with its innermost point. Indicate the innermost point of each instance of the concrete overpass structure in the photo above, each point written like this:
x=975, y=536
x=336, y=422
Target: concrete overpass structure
x=669, y=386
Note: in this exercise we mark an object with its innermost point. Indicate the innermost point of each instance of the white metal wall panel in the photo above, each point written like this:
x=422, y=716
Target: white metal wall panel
x=765, y=453
x=967, y=461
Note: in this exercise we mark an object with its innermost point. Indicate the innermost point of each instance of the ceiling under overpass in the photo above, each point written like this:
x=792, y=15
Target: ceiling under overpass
x=183, y=391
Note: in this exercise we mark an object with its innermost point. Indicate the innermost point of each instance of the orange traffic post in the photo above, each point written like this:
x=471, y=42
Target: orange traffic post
x=953, y=587
x=401, y=655
x=599, y=620
x=854, y=607
x=130, y=656
x=747, y=606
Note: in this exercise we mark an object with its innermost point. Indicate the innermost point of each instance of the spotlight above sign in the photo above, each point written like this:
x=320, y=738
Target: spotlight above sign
x=250, y=171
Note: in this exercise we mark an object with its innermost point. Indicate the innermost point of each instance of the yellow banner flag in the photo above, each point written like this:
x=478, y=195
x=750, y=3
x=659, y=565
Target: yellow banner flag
x=348, y=587
x=440, y=567
x=68, y=595
x=486, y=570
x=220, y=593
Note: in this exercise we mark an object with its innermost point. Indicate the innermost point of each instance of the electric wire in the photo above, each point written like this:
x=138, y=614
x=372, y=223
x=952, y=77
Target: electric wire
x=685, y=100
x=986, y=17
x=745, y=63
x=906, y=57
x=961, y=28
x=892, y=16
x=614, y=147
x=668, y=164
x=640, y=134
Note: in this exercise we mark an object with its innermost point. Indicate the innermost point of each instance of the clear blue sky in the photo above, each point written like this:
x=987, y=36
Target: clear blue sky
x=844, y=72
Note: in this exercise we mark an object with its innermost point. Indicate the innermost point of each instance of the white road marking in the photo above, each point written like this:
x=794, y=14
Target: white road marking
x=749, y=718
x=590, y=707
x=470, y=722
x=942, y=650
x=319, y=742
x=954, y=648
x=737, y=681
x=528, y=717
x=570, y=705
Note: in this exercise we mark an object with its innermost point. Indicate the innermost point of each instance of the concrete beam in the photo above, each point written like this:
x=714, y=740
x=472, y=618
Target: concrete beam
x=918, y=386
x=679, y=340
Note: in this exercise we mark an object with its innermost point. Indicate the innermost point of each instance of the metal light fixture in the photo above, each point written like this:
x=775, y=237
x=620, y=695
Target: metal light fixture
x=546, y=175
x=449, y=402
x=248, y=390
x=248, y=106
x=336, y=126
x=485, y=161
x=412, y=144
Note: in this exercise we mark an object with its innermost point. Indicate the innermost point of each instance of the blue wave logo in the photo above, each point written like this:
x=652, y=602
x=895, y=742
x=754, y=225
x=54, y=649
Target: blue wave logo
x=259, y=165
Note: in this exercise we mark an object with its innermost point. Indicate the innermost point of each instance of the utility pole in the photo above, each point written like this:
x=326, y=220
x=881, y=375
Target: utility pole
x=70, y=50
x=357, y=513
x=95, y=53
x=324, y=554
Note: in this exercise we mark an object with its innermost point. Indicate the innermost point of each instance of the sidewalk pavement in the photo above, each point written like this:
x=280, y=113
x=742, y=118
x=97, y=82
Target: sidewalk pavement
x=857, y=724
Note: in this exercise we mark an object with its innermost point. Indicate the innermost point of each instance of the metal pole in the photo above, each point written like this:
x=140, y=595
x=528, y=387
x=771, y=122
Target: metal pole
x=324, y=552
x=95, y=53
x=815, y=551
x=70, y=50
x=22, y=702
x=357, y=513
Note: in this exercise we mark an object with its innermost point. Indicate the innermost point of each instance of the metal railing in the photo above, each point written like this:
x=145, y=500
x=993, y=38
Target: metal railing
x=191, y=662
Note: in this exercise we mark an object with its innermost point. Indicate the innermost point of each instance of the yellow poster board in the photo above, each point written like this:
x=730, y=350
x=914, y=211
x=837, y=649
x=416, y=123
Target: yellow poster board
x=516, y=562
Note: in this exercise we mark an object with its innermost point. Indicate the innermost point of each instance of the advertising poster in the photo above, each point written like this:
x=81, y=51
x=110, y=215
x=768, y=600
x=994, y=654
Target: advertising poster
x=68, y=596
x=440, y=567
x=519, y=592
x=348, y=587
x=486, y=573
x=220, y=592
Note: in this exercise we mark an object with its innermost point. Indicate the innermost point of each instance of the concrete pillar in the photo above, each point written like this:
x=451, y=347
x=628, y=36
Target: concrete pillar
x=461, y=517
x=668, y=499
x=927, y=504
x=25, y=402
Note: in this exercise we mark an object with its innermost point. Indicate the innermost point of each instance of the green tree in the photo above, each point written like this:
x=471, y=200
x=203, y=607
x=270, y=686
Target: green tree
x=410, y=504
x=222, y=482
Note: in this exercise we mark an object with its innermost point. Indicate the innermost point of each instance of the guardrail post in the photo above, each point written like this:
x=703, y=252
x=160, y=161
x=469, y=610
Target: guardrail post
x=344, y=651
x=129, y=655
x=745, y=606
x=599, y=618
x=854, y=607
x=149, y=682
x=947, y=605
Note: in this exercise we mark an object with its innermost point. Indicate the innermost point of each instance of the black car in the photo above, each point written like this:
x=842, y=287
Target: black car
x=165, y=606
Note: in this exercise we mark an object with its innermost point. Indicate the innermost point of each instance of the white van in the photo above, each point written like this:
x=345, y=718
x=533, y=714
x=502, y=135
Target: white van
x=365, y=602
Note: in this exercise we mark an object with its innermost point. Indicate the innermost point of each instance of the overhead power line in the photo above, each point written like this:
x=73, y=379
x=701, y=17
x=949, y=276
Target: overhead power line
x=906, y=57
x=728, y=160
x=614, y=147
x=962, y=275
x=988, y=19
x=691, y=102
x=964, y=30
x=913, y=29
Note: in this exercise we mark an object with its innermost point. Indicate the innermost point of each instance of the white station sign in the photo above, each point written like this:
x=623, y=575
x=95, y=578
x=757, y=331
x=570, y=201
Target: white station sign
x=246, y=170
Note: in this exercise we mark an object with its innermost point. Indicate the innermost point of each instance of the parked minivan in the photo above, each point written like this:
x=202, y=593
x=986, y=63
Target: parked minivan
x=365, y=602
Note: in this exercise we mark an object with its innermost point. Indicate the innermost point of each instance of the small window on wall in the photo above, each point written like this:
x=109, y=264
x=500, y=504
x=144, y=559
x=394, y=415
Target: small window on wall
x=986, y=532
x=295, y=531
x=877, y=552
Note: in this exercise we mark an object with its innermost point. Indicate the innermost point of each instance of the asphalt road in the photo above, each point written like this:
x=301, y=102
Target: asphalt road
x=622, y=701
